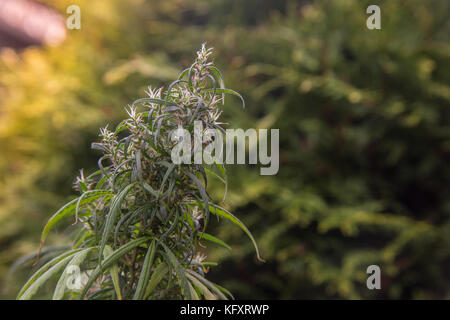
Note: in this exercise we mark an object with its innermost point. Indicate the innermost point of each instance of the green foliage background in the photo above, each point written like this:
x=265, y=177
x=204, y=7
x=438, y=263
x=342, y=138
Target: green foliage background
x=364, y=134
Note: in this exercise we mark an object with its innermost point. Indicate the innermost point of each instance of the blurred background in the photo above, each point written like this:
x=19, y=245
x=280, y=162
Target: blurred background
x=363, y=118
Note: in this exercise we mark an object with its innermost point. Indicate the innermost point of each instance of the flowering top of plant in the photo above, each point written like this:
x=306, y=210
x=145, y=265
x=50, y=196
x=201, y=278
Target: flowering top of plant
x=140, y=216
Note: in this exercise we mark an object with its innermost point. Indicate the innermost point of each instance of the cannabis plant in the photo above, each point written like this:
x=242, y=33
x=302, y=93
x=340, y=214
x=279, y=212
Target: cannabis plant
x=141, y=219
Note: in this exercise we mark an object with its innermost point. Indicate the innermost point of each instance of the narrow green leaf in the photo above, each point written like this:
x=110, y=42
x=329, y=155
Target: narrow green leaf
x=157, y=275
x=224, y=291
x=183, y=73
x=208, y=284
x=113, y=271
x=200, y=286
x=215, y=209
x=211, y=238
x=145, y=273
x=148, y=188
x=113, y=213
x=194, y=295
x=212, y=173
x=83, y=196
x=166, y=176
x=228, y=91
x=218, y=76
x=224, y=174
